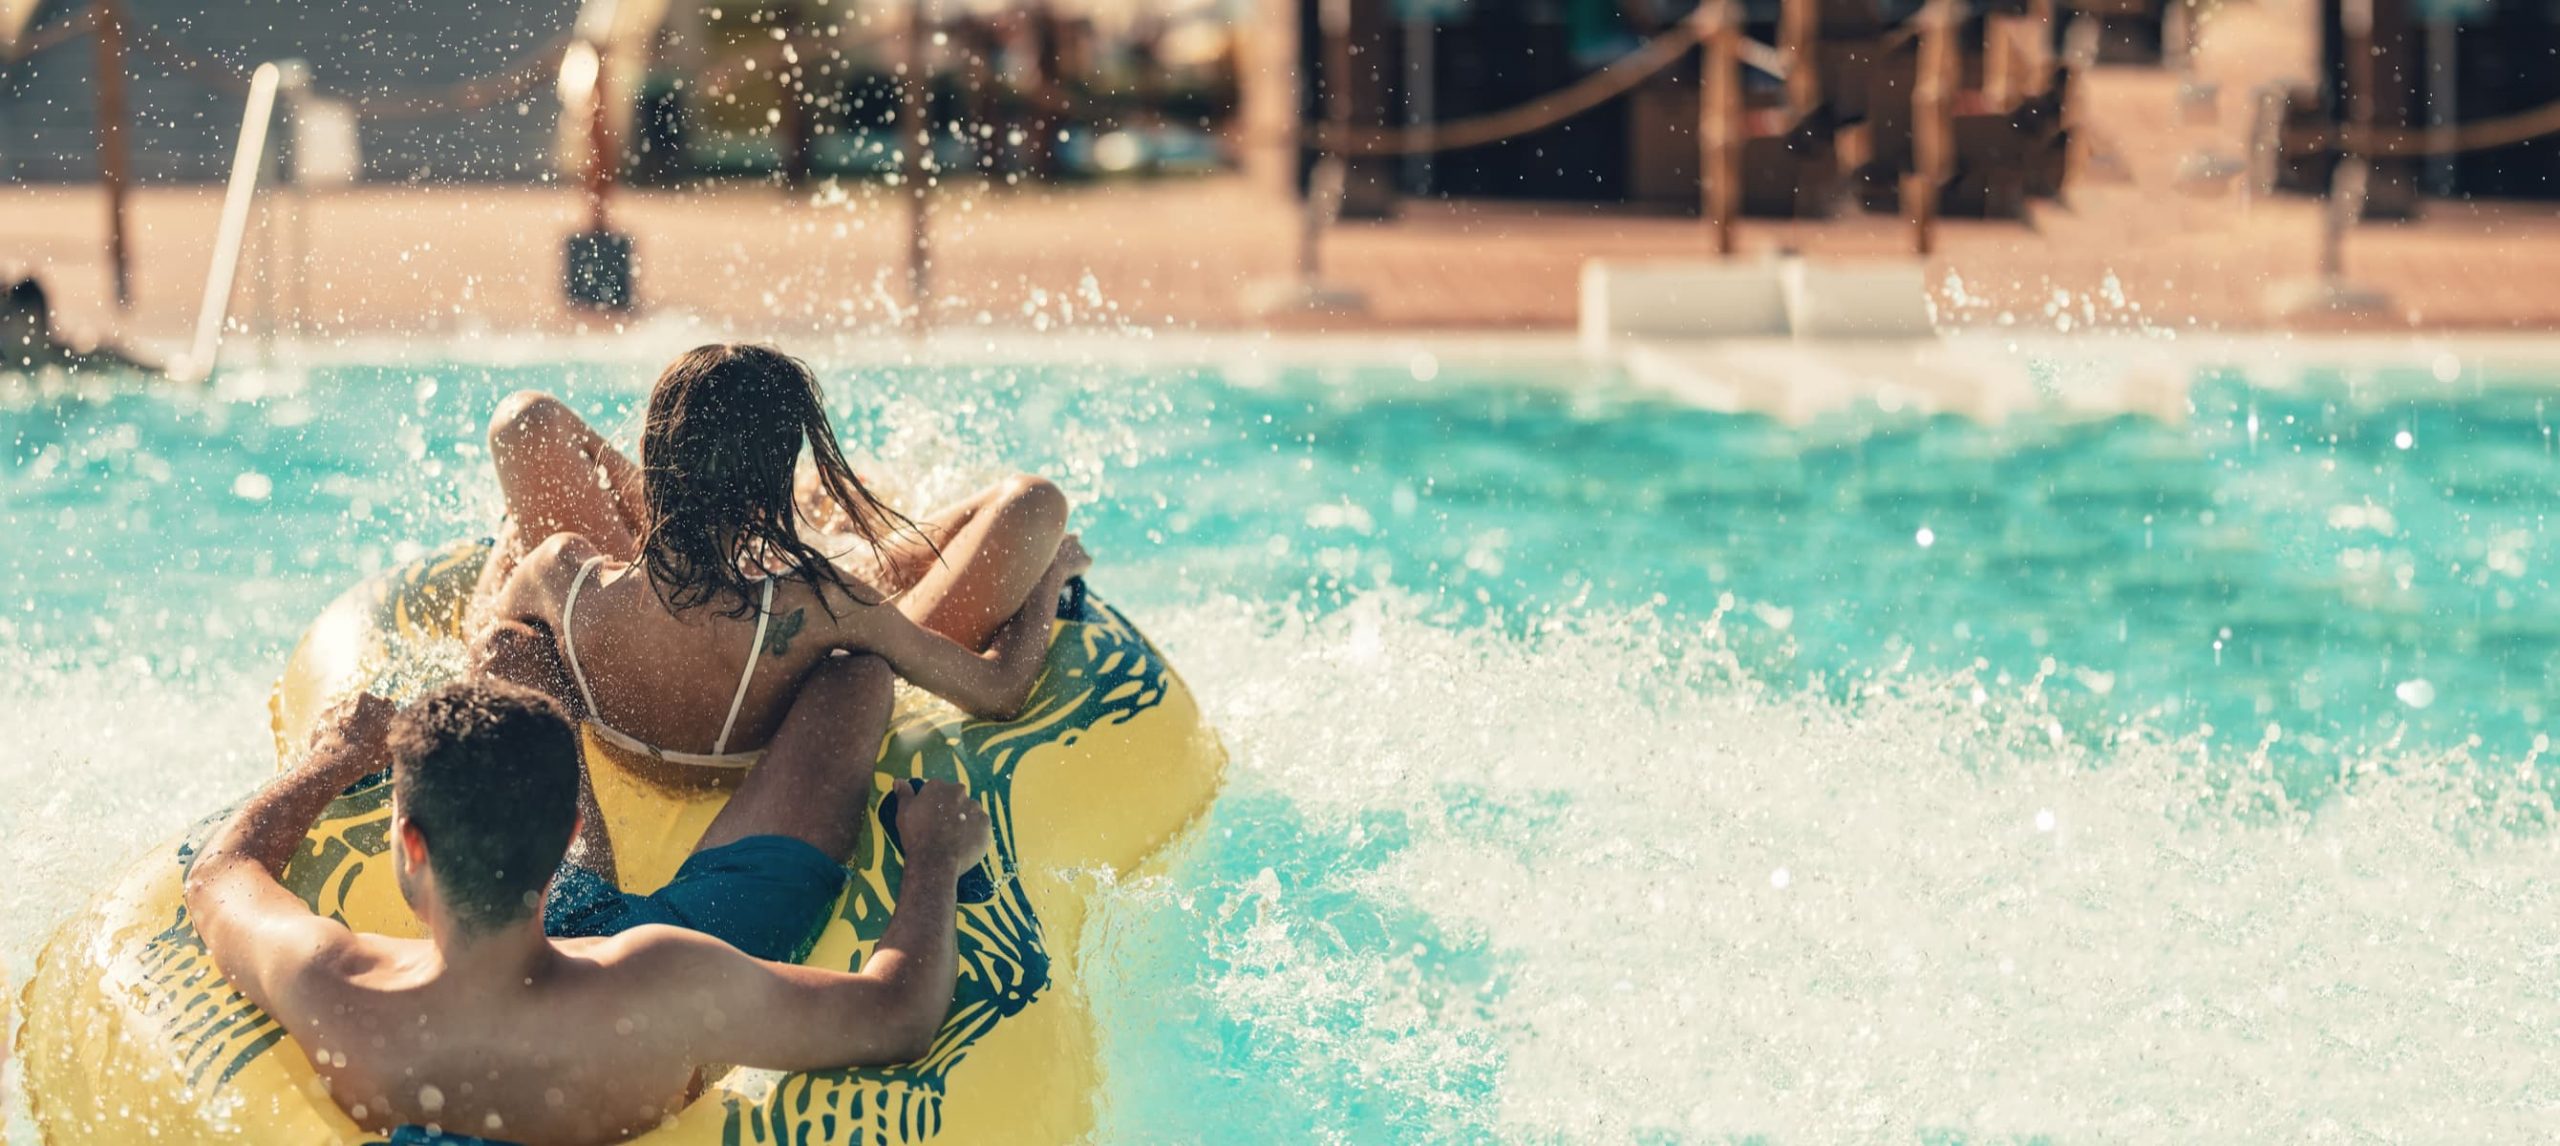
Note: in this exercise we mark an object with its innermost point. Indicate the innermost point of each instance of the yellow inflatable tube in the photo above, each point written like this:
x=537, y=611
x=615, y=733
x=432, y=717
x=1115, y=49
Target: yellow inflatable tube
x=130, y=1035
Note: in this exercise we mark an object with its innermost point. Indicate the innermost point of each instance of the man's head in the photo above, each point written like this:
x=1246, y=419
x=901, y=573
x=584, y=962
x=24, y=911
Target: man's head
x=484, y=783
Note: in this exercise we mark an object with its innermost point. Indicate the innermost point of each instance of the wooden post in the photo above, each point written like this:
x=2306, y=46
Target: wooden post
x=600, y=149
x=1333, y=18
x=1356, y=82
x=792, y=89
x=1932, y=124
x=2039, y=46
x=1799, y=30
x=1271, y=79
x=915, y=102
x=1720, y=119
x=115, y=148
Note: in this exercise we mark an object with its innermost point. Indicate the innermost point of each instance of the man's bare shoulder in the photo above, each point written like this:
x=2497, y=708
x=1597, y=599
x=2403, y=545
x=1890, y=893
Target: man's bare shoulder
x=355, y=961
x=653, y=951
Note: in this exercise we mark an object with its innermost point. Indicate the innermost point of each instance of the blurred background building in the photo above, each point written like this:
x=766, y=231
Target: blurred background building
x=708, y=90
x=1058, y=89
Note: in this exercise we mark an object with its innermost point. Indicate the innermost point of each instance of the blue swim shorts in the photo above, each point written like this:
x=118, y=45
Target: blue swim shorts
x=765, y=895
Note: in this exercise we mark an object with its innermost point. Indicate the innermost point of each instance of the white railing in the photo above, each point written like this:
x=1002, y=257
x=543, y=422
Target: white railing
x=248, y=162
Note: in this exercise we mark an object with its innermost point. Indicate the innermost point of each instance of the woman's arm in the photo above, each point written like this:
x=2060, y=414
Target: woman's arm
x=993, y=685
x=559, y=475
x=906, y=554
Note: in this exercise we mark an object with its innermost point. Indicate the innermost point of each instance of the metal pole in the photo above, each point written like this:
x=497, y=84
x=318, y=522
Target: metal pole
x=293, y=93
x=265, y=298
x=115, y=149
x=1335, y=18
x=1932, y=135
x=298, y=256
x=2039, y=46
x=1324, y=204
x=2352, y=181
x=1418, y=67
x=2442, y=110
x=1329, y=184
x=915, y=104
x=791, y=78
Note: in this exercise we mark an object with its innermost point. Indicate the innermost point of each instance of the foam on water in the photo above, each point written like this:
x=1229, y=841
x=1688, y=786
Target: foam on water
x=102, y=762
x=1600, y=885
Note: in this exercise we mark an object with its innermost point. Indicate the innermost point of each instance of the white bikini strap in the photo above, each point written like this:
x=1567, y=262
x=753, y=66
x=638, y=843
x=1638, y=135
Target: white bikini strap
x=764, y=616
x=569, y=639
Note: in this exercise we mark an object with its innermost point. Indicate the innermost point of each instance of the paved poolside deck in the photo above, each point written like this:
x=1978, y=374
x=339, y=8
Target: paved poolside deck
x=454, y=260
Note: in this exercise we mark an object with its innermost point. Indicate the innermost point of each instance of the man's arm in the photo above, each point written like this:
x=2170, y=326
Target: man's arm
x=258, y=933
x=781, y=1017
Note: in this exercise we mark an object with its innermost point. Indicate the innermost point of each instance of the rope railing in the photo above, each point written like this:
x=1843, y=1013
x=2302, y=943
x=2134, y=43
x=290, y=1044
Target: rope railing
x=1615, y=79
x=470, y=96
x=2397, y=143
x=1611, y=81
x=54, y=35
x=462, y=97
x=787, y=59
x=527, y=74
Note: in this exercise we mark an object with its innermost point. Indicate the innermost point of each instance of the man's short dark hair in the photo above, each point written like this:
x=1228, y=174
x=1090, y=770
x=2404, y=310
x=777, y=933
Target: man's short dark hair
x=488, y=773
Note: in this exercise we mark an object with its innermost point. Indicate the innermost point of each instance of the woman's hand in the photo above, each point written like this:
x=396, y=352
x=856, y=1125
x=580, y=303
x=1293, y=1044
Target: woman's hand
x=996, y=684
x=1072, y=560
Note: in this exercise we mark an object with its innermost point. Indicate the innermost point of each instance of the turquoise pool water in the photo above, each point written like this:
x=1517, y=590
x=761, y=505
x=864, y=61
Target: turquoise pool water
x=1605, y=769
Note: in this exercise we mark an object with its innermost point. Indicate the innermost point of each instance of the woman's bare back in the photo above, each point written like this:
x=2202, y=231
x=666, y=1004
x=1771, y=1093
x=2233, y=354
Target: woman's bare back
x=669, y=678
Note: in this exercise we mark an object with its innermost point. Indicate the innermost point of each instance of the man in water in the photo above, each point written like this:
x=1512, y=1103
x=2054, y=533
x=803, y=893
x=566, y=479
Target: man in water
x=489, y=1027
x=28, y=342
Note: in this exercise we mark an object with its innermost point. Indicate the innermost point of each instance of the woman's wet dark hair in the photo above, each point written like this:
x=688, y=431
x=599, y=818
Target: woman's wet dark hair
x=719, y=455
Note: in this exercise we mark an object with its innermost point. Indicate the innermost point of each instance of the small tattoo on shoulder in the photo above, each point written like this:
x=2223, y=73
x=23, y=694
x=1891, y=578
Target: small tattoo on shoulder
x=777, y=638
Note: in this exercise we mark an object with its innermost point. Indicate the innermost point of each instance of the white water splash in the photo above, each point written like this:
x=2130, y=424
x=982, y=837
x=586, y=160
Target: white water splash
x=1981, y=934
